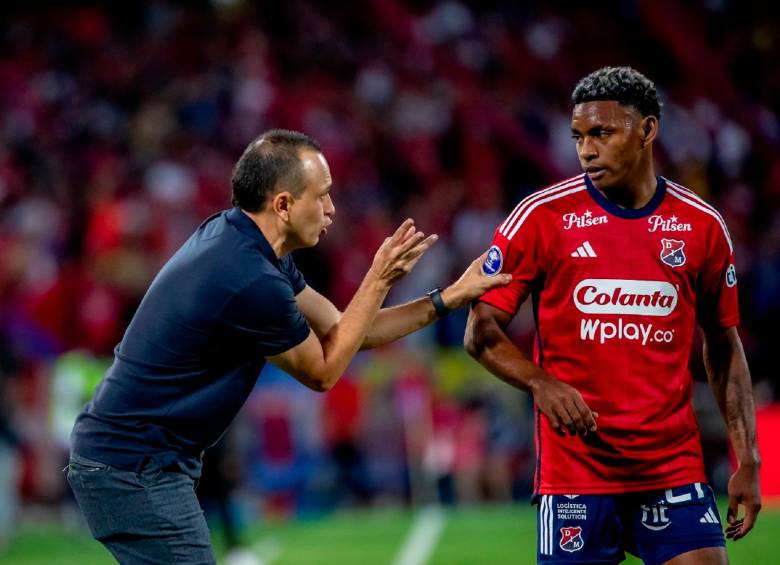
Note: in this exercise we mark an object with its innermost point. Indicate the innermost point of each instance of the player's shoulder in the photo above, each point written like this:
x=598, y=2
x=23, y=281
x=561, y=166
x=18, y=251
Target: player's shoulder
x=685, y=198
x=556, y=198
x=694, y=206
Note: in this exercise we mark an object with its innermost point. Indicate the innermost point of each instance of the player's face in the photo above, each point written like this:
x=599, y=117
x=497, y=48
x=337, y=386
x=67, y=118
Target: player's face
x=609, y=141
x=312, y=212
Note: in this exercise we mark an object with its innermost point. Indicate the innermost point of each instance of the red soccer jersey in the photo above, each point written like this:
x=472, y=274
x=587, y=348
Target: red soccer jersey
x=617, y=294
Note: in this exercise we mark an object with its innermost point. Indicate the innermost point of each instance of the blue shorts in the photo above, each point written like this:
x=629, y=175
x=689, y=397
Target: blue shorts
x=653, y=525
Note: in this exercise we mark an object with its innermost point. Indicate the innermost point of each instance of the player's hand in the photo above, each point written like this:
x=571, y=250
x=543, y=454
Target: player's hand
x=472, y=284
x=564, y=407
x=743, y=491
x=400, y=252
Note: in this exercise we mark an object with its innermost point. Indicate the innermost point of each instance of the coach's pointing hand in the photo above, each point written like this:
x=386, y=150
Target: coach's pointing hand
x=563, y=405
x=400, y=252
x=472, y=284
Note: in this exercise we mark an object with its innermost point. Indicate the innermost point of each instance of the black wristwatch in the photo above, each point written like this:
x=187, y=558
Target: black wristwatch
x=438, y=302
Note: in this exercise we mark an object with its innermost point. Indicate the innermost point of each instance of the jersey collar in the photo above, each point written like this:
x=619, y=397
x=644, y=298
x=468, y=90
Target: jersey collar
x=628, y=213
x=245, y=225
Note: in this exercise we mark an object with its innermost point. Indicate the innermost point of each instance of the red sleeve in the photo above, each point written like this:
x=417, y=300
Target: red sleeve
x=717, y=304
x=520, y=256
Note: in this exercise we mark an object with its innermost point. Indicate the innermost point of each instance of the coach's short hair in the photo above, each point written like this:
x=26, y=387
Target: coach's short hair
x=625, y=85
x=268, y=163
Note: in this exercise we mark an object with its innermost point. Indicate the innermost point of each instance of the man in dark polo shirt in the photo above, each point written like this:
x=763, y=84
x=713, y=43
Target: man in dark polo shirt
x=227, y=301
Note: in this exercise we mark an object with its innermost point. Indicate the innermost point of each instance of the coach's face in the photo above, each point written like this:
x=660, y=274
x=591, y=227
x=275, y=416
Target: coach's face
x=312, y=212
x=611, y=141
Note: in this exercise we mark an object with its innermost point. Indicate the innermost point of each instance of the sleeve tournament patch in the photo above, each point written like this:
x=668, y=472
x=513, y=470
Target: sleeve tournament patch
x=493, y=262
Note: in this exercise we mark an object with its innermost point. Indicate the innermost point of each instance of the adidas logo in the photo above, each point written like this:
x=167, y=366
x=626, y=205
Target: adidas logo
x=584, y=250
x=709, y=517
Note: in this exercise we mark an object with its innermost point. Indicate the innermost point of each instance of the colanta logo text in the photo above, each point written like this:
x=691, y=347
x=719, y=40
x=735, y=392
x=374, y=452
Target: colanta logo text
x=625, y=296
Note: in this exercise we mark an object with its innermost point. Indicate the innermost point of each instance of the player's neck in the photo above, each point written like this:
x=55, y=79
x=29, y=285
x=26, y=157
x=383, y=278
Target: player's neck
x=636, y=192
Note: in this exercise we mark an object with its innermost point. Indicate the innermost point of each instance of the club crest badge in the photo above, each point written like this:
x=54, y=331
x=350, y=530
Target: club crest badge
x=493, y=262
x=672, y=252
x=571, y=539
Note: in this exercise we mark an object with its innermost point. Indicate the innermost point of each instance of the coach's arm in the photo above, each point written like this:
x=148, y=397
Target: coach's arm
x=486, y=341
x=321, y=359
x=729, y=378
x=396, y=322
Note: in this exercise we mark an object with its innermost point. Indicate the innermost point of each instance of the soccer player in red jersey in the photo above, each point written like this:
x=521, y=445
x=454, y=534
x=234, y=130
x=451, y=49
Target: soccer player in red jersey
x=621, y=266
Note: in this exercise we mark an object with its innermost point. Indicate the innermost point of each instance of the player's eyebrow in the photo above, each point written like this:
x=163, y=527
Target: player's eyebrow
x=593, y=130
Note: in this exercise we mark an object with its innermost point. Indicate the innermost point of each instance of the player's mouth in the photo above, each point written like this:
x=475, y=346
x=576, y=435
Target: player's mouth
x=595, y=173
x=324, y=229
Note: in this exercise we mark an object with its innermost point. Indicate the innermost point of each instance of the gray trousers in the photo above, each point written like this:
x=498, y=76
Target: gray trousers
x=147, y=517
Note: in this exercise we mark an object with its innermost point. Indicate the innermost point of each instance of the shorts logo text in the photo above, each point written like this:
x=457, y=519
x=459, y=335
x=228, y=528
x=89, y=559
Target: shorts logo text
x=654, y=517
x=571, y=511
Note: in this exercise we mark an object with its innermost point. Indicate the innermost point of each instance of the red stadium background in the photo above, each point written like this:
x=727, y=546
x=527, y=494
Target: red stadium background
x=118, y=129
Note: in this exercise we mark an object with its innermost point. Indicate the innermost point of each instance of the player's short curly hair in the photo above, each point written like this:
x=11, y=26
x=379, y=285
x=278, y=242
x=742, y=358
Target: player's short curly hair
x=622, y=84
x=269, y=164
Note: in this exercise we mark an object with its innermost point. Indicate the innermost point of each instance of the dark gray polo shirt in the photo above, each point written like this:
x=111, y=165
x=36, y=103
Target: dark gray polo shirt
x=193, y=351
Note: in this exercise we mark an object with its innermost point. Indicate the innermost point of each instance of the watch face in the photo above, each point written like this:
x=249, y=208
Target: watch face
x=493, y=262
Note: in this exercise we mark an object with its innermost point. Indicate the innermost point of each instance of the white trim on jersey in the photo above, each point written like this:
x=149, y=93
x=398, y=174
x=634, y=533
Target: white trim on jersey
x=504, y=228
x=577, y=187
x=690, y=197
x=690, y=193
x=546, y=525
x=584, y=250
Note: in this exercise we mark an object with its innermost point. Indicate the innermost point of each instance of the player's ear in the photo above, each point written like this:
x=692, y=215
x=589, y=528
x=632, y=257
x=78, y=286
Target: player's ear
x=648, y=129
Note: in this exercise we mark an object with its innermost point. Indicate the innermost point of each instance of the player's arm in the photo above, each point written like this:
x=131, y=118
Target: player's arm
x=396, y=322
x=729, y=377
x=319, y=361
x=486, y=340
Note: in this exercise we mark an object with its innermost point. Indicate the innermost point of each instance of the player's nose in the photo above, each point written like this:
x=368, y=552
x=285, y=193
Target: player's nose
x=587, y=150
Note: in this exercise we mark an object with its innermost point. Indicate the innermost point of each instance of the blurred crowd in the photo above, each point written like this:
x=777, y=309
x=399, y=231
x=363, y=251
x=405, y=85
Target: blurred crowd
x=119, y=127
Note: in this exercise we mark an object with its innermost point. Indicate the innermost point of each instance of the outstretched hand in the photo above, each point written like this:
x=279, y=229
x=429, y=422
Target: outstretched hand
x=472, y=284
x=400, y=252
x=743, y=491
